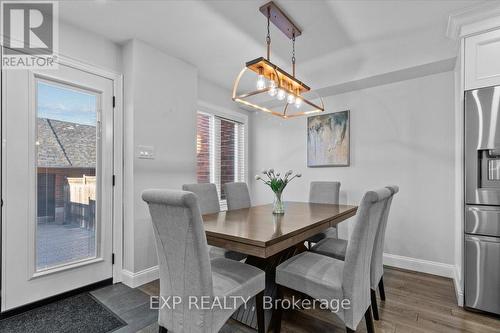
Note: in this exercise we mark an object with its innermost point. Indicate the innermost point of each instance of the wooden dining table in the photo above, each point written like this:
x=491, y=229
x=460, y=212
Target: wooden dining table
x=269, y=239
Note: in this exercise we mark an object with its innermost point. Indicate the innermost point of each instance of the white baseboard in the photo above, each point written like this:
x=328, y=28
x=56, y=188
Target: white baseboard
x=134, y=280
x=137, y=279
x=429, y=267
x=420, y=265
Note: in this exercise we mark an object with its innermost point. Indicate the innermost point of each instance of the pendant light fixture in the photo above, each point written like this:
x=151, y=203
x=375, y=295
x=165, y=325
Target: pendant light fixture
x=278, y=92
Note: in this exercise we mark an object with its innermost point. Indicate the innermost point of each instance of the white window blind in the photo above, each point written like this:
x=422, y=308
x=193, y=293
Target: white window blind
x=220, y=151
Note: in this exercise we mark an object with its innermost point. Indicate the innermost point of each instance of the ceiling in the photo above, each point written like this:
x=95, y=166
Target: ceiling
x=342, y=41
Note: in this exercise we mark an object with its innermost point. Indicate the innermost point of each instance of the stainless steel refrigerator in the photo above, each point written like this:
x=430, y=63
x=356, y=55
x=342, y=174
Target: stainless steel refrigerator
x=482, y=199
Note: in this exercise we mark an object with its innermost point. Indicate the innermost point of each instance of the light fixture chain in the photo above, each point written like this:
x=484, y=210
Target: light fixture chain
x=293, y=54
x=268, y=37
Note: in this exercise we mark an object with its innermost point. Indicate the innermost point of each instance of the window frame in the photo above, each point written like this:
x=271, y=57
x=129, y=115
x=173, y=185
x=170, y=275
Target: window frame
x=215, y=111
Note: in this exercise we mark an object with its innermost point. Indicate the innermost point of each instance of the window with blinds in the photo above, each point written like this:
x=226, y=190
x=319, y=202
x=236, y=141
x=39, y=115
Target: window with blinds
x=220, y=148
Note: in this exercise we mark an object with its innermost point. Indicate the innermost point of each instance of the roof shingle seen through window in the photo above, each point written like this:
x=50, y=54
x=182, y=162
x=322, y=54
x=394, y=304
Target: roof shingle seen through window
x=65, y=144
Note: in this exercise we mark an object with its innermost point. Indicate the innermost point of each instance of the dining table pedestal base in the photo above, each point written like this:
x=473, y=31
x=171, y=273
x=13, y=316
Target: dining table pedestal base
x=247, y=314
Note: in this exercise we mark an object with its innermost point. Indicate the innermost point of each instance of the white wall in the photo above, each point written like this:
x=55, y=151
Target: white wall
x=212, y=96
x=401, y=133
x=88, y=47
x=161, y=98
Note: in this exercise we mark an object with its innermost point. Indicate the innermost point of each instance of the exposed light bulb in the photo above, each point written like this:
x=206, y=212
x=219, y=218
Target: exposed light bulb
x=272, y=89
x=281, y=94
x=298, y=102
x=261, y=83
x=290, y=99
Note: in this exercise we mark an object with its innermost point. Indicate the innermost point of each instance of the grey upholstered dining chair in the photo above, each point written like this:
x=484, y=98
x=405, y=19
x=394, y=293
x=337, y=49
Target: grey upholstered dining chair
x=208, y=199
x=237, y=195
x=336, y=248
x=324, y=193
x=325, y=278
x=187, y=272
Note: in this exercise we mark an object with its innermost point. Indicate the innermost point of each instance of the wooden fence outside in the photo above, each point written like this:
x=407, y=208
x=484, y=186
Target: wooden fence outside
x=80, y=201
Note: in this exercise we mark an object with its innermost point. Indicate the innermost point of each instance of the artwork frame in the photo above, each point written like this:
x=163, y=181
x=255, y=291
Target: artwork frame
x=329, y=140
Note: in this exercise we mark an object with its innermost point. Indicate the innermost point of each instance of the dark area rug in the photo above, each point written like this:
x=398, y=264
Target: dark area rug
x=80, y=313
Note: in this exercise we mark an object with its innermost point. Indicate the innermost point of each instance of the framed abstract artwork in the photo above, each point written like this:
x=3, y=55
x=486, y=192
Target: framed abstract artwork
x=328, y=140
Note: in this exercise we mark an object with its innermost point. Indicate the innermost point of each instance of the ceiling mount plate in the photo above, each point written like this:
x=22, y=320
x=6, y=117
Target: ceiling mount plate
x=281, y=20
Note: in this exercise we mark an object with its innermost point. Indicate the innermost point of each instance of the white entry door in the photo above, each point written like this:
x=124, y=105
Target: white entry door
x=57, y=168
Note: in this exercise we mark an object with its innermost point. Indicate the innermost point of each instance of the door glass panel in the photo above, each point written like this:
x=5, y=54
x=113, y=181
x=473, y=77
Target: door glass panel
x=67, y=150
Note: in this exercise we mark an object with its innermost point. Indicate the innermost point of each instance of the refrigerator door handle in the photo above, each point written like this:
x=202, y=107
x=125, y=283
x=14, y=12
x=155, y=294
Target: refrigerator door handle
x=482, y=220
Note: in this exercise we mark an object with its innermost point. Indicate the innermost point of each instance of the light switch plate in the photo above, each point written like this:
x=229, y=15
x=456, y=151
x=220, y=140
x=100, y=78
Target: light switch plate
x=146, y=152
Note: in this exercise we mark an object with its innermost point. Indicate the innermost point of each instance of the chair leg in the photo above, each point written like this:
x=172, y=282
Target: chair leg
x=374, y=303
x=259, y=305
x=381, y=288
x=369, y=320
x=162, y=330
x=278, y=312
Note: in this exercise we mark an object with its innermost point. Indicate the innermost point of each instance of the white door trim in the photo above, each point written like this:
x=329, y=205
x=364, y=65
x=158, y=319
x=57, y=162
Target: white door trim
x=117, y=79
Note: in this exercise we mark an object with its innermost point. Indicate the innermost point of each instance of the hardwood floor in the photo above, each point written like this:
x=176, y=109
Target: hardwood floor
x=415, y=302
